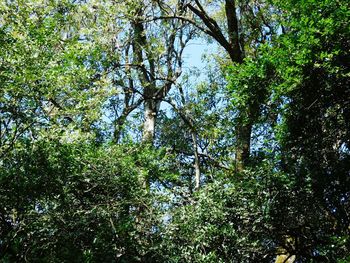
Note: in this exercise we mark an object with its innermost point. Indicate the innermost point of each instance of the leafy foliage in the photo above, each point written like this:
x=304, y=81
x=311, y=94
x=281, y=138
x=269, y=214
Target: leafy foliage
x=78, y=82
x=77, y=202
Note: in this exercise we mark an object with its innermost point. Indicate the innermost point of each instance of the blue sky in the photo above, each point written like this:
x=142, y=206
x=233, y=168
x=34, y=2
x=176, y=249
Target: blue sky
x=193, y=54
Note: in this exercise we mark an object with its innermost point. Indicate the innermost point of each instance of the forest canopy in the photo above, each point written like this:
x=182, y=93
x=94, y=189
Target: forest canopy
x=114, y=147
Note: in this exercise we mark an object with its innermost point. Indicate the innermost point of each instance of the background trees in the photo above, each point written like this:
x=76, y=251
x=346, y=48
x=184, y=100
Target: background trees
x=112, y=151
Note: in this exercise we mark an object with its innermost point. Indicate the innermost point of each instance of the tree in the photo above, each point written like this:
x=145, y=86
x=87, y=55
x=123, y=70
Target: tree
x=48, y=73
x=77, y=202
x=248, y=163
x=148, y=63
x=235, y=38
x=306, y=73
x=316, y=114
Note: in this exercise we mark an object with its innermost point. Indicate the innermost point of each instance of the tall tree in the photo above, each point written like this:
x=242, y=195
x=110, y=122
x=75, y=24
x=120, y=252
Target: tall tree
x=150, y=62
x=233, y=32
x=316, y=140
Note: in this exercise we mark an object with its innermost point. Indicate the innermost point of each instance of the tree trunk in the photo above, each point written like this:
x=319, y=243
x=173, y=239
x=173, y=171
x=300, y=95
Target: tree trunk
x=235, y=51
x=196, y=160
x=243, y=134
x=149, y=124
x=283, y=256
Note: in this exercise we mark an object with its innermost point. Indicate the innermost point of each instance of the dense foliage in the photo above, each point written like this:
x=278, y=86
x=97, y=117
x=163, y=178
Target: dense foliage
x=112, y=150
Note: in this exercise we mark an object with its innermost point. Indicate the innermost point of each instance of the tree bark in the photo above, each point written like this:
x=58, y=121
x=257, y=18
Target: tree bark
x=243, y=129
x=151, y=107
x=243, y=135
x=235, y=52
x=283, y=256
x=196, y=161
